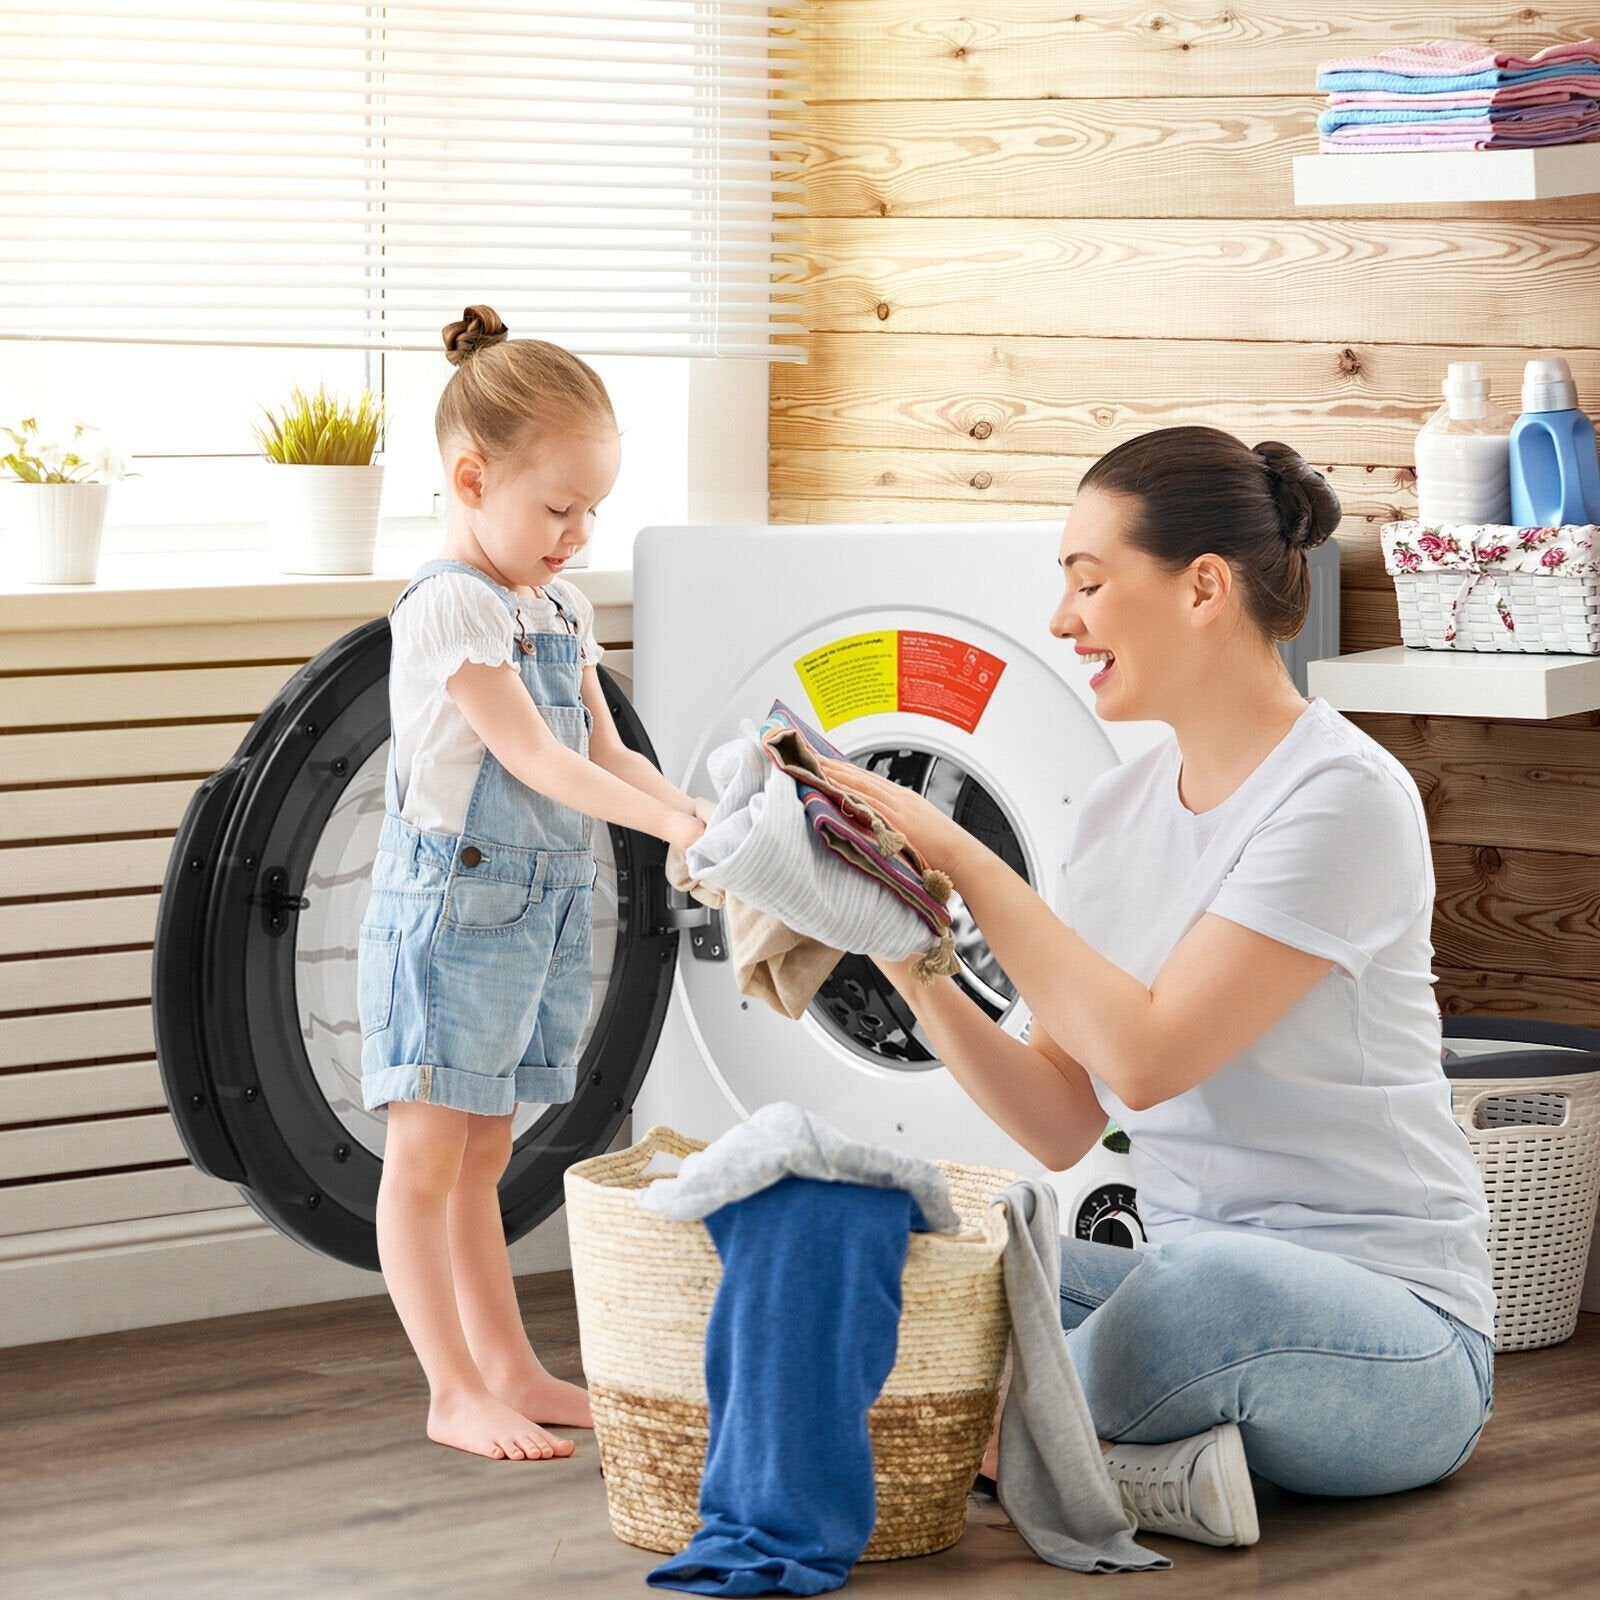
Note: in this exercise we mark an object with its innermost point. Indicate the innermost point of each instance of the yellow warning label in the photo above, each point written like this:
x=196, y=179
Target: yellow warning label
x=854, y=677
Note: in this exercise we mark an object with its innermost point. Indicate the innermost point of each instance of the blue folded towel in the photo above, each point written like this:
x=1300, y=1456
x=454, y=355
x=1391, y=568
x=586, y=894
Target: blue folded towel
x=802, y=1335
x=1445, y=82
x=1576, y=111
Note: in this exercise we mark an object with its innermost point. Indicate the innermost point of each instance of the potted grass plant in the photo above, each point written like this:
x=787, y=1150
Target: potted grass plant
x=60, y=479
x=323, y=488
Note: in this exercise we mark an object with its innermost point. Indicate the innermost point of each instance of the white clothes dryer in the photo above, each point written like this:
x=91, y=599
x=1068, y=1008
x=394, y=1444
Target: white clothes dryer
x=923, y=652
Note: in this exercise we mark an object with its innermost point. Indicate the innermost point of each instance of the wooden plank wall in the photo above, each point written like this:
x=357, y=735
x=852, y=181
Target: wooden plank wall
x=1036, y=230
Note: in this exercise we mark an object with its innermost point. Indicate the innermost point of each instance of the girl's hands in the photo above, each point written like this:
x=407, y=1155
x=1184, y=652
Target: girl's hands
x=939, y=839
x=682, y=829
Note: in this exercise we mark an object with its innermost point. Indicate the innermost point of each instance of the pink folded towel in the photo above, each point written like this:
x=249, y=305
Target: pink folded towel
x=1471, y=135
x=1454, y=57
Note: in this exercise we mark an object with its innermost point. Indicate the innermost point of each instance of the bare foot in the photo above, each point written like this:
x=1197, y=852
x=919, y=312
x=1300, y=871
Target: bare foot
x=483, y=1426
x=990, y=1465
x=552, y=1402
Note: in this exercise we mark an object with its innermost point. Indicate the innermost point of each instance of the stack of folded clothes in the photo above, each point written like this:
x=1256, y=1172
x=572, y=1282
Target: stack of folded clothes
x=1447, y=95
x=803, y=870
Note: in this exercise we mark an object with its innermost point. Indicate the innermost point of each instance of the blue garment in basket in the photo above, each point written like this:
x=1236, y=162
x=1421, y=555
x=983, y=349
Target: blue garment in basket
x=801, y=1337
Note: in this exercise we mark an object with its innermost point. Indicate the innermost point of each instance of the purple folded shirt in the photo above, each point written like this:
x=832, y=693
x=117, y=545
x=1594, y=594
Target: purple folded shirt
x=1472, y=135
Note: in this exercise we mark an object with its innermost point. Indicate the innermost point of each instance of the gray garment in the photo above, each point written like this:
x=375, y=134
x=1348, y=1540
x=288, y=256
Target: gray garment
x=784, y=1141
x=1052, y=1481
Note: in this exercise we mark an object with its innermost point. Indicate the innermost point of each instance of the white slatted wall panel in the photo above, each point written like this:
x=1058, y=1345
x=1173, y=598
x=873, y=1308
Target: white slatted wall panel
x=104, y=736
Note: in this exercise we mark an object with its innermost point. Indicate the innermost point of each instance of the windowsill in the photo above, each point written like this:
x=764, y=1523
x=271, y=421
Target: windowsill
x=237, y=585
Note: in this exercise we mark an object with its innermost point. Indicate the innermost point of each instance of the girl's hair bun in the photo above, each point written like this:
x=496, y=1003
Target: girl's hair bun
x=1308, y=507
x=479, y=327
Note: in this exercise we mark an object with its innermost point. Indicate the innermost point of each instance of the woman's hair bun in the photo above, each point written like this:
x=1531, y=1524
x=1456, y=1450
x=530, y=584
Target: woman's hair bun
x=1308, y=507
x=479, y=327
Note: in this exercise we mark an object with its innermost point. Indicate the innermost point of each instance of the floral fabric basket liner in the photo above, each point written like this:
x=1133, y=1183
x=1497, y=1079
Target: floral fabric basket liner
x=1488, y=586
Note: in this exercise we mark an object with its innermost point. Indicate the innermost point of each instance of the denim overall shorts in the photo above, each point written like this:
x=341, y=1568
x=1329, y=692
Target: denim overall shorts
x=474, y=976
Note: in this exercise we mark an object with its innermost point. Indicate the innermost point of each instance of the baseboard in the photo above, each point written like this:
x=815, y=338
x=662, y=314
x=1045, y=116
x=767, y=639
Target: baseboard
x=138, y=1274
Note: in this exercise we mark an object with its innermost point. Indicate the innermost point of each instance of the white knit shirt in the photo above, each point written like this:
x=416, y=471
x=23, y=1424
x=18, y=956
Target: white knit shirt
x=448, y=620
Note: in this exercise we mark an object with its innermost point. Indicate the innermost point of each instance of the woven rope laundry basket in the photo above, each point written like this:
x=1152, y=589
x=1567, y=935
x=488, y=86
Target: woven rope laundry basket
x=644, y=1289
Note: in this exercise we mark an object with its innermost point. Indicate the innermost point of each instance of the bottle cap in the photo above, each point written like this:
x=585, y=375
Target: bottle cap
x=1547, y=385
x=1465, y=388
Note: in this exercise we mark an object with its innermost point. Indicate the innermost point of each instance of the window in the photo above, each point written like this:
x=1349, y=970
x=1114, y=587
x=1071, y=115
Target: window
x=201, y=203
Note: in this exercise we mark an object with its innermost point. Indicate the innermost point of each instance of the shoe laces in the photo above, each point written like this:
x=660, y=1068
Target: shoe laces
x=1157, y=1497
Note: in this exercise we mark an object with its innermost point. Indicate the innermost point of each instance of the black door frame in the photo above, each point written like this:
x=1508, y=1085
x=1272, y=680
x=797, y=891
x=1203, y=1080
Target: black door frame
x=237, y=1078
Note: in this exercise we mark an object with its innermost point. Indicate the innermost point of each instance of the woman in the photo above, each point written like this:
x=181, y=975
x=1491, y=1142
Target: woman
x=1238, y=971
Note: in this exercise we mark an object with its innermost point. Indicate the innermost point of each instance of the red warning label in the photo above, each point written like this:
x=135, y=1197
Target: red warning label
x=946, y=678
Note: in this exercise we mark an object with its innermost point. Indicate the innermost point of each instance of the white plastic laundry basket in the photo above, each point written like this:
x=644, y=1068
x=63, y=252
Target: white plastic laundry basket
x=1535, y=1130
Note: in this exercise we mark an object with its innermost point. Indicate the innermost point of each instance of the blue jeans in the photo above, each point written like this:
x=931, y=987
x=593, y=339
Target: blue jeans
x=1342, y=1381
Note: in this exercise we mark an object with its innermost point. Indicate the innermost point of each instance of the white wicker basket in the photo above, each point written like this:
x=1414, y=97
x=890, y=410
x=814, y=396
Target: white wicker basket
x=1537, y=1143
x=1471, y=586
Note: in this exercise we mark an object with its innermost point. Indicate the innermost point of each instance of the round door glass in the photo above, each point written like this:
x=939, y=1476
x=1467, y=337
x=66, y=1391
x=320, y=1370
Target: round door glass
x=327, y=937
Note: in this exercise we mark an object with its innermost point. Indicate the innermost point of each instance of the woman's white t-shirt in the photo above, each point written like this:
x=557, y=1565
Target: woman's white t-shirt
x=449, y=619
x=1334, y=1128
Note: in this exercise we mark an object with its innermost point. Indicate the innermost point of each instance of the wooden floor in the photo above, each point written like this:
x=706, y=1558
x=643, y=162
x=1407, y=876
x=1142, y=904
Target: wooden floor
x=282, y=1455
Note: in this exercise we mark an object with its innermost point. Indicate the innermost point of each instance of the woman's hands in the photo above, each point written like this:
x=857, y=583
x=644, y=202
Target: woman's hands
x=939, y=839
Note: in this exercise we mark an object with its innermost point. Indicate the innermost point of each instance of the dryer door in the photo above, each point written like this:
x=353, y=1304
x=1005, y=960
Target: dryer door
x=254, y=984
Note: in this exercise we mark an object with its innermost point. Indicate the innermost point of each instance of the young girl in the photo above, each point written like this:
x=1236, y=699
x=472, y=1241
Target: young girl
x=474, y=970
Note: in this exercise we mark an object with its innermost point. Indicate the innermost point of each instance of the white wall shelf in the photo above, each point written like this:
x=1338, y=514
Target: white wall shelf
x=1423, y=177
x=1444, y=683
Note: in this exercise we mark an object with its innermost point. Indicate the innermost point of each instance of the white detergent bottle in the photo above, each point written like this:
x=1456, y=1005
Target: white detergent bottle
x=1464, y=453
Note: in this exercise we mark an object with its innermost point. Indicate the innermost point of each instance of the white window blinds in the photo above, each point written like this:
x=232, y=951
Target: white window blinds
x=617, y=177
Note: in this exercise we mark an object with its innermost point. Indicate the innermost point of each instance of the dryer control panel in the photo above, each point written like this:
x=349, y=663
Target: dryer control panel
x=1109, y=1215
x=1097, y=1196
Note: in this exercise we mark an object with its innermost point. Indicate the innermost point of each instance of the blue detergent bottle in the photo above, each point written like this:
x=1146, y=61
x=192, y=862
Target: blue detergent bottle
x=1555, y=469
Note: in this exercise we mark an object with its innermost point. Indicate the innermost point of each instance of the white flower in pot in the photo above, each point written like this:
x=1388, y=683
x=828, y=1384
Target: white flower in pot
x=322, y=504
x=60, y=479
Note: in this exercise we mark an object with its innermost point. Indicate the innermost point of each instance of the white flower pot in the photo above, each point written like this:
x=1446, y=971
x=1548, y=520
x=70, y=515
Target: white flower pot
x=323, y=519
x=60, y=525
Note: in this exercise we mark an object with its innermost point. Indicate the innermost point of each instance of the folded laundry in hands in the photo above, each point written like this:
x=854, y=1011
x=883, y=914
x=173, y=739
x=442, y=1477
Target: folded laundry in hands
x=761, y=848
x=845, y=824
x=771, y=962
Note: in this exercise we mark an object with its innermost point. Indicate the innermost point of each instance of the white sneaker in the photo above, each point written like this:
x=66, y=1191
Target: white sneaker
x=1195, y=1488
